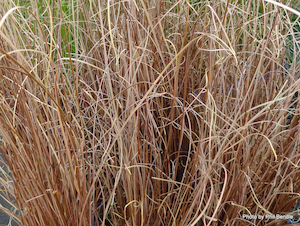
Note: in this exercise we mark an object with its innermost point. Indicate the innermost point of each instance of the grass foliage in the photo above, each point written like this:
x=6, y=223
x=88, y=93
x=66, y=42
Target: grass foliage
x=150, y=112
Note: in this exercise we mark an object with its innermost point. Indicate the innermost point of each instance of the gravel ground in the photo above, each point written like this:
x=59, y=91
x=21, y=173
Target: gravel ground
x=296, y=207
x=4, y=218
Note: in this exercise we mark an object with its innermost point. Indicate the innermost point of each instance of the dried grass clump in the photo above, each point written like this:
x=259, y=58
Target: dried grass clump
x=149, y=112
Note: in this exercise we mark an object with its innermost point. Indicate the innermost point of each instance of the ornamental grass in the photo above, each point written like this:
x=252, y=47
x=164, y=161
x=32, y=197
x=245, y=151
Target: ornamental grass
x=150, y=112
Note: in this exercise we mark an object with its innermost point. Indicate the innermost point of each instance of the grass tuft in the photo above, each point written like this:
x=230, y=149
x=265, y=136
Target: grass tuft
x=150, y=112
